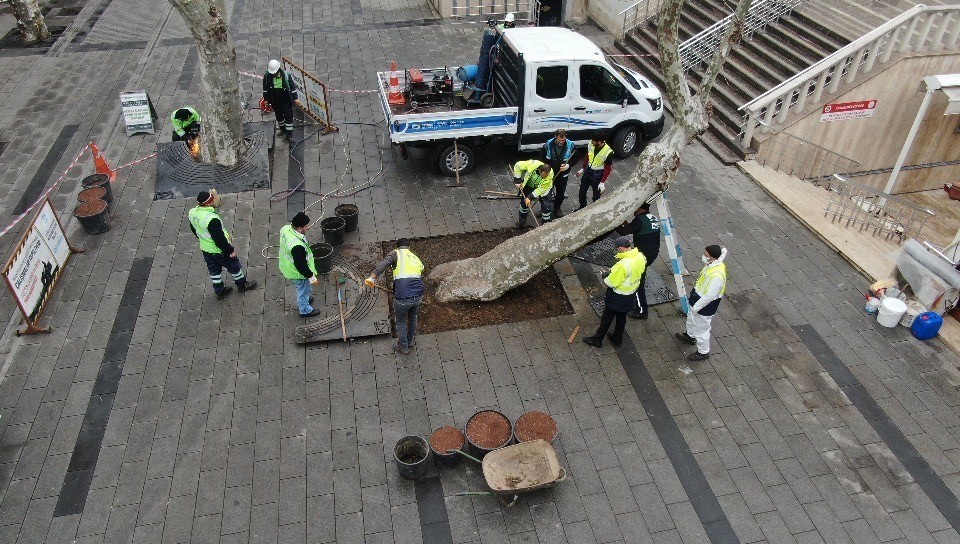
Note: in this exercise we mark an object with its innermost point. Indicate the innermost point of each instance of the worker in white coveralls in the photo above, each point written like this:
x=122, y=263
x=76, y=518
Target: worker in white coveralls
x=705, y=299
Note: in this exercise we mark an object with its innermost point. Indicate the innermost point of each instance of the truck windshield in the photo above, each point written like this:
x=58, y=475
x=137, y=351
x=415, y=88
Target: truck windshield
x=630, y=77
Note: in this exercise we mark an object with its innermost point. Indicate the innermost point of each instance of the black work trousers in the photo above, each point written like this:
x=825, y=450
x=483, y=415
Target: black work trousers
x=590, y=180
x=606, y=319
x=560, y=184
x=283, y=109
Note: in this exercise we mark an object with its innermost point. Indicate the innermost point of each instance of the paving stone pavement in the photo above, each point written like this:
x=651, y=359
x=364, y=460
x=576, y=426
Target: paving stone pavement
x=221, y=429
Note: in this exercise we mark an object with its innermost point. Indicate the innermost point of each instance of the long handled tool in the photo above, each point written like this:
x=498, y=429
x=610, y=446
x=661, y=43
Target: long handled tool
x=343, y=322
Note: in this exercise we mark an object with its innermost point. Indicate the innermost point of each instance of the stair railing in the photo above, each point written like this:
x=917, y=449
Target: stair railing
x=700, y=48
x=919, y=29
x=803, y=159
x=860, y=206
x=637, y=15
x=496, y=8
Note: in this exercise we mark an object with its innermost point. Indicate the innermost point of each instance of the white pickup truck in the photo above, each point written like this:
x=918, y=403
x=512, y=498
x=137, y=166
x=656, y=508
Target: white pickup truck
x=543, y=79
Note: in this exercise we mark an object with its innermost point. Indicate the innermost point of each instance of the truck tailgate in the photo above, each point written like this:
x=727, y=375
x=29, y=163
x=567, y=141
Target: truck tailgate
x=415, y=126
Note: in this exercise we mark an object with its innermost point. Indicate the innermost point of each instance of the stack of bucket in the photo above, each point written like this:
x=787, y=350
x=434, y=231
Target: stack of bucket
x=345, y=220
x=93, y=209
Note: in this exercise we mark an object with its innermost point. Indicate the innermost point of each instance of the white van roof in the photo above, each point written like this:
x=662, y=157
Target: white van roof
x=545, y=44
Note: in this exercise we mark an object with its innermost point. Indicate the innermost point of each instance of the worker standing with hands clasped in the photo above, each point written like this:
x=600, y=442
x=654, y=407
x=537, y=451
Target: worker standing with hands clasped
x=559, y=153
x=185, y=123
x=407, y=292
x=705, y=299
x=215, y=245
x=534, y=179
x=622, y=282
x=280, y=92
x=645, y=229
x=597, y=165
x=296, y=262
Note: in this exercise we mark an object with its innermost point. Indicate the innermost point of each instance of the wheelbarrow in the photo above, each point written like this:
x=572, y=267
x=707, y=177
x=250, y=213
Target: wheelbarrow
x=518, y=469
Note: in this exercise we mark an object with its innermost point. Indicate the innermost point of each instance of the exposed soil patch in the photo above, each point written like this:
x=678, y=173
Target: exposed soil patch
x=489, y=429
x=90, y=208
x=534, y=425
x=446, y=439
x=542, y=296
x=411, y=458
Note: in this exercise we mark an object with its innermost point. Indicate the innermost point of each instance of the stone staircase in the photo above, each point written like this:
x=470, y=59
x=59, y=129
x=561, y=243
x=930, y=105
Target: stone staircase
x=773, y=55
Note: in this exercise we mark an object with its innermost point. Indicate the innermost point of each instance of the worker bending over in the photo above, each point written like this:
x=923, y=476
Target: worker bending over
x=534, y=179
x=407, y=292
x=705, y=299
x=597, y=164
x=296, y=262
x=186, y=124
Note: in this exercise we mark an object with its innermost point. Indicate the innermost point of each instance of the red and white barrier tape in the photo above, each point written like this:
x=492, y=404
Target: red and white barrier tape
x=647, y=55
x=45, y=193
x=249, y=74
x=138, y=161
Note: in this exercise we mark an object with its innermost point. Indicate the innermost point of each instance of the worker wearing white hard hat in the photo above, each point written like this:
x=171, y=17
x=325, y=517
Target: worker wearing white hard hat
x=280, y=91
x=508, y=22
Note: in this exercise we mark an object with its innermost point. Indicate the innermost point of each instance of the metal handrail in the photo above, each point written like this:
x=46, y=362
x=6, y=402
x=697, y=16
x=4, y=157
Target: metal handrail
x=761, y=13
x=873, y=210
x=631, y=19
x=804, y=159
x=902, y=34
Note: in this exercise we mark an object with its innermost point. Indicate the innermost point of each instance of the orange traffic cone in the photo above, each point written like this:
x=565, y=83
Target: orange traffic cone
x=100, y=163
x=396, y=97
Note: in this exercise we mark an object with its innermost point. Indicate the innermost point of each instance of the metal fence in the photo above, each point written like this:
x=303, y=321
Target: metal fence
x=803, y=159
x=527, y=9
x=871, y=210
x=637, y=15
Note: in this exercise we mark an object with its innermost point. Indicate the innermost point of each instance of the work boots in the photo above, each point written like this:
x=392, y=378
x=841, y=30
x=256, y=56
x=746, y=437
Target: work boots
x=522, y=222
x=248, y=285
x=222, y=294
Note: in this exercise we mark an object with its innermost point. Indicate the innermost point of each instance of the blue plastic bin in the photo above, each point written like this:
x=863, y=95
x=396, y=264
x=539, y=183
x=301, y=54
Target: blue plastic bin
x=926, y=325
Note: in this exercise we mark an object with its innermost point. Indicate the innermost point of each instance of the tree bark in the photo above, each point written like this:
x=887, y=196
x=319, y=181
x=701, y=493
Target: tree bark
x=222, y=137
x=30, y=21
x=518, y=259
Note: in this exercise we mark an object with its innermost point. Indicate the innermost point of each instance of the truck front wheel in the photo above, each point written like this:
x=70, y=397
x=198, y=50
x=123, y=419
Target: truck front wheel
x=451, y=159
x=626, y=141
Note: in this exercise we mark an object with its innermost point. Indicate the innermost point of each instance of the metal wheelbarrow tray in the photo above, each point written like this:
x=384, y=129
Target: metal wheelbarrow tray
x=520, y=468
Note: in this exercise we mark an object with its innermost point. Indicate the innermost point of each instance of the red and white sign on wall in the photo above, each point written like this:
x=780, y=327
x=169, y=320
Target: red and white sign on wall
x=842, y=111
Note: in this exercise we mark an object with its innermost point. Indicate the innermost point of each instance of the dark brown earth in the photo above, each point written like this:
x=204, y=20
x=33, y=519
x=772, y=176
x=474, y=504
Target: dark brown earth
x=446, y=439
x=489, y=429
x=534, y=425
x=88, y=209
x=93, y=193
x=542, y=296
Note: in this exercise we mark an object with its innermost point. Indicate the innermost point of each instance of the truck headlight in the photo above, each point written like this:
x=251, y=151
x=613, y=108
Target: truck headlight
x=655, y=103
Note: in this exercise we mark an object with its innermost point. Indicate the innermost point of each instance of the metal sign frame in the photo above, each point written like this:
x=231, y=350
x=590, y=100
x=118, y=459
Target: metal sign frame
x=33, y=326
x=311, y=103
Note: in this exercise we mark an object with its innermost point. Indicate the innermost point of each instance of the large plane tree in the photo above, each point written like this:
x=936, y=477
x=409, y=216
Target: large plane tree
x=518, y=259
x=30, y=21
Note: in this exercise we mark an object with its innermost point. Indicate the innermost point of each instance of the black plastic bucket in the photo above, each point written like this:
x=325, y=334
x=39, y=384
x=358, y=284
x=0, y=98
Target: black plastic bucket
x=332, y=228
x=94, y=216
x=322, y=257
x=479, y=451
x=91, y=194
x=350, y=213
x=98, y=180
x=411, y=454
x=448, y=458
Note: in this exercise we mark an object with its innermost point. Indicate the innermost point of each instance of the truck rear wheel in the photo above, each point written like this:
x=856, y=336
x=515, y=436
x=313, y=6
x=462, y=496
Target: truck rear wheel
x=626, y=141
x=447, y=159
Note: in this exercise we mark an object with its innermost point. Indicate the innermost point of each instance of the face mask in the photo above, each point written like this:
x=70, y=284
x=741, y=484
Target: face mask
x=704, y=259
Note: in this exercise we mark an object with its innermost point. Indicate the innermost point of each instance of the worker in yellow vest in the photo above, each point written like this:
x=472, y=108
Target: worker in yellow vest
x=705, y=299
x=215, y=245
x=296, y=262
x=534, y=179
x=407, y=292
x=597, y=165
x=621, y=297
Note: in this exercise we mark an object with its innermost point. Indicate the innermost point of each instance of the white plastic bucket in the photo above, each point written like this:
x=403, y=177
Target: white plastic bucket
x=914, y=309
x=891, y=310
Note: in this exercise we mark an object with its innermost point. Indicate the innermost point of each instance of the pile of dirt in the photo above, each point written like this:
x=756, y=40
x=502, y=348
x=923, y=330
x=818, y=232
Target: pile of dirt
x=542, y=296
x=534, y=425
x=489, y=429
x=446, y=439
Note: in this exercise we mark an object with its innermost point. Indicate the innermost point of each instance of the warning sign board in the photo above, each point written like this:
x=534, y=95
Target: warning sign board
x=842, y=111
x=138, y=112
x=312, y=93
x=36, y=264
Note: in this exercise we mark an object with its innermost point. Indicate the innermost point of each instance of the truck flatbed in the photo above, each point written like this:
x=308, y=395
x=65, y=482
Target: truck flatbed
x=441, y=121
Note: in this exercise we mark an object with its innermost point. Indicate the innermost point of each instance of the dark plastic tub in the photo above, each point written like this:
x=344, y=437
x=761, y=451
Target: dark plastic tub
x=411, y=454
x=350, y=213
x=449, y=458
x=522, y=431
x=480, y=451
x=322, y=257
x=98, y=180
x=332, y=228
x=91, y=194
x=94, y=216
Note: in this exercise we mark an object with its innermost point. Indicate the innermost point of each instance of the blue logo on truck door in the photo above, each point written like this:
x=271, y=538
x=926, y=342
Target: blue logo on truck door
x=441, y=125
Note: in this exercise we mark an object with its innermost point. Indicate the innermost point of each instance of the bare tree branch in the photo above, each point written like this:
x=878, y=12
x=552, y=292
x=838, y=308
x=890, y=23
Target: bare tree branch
x=732, y=36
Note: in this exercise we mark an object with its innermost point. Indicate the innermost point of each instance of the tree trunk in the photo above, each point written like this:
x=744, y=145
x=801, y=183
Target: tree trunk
x=29, y=21
x=222, y=137
x=518, y=259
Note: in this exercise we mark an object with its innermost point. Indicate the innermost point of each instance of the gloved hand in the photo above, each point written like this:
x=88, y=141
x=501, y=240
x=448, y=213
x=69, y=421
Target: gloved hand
x=564, y=167
x=602, y=186
x=579, y=172
x=370, y=282
x=313, y=280
x=528, y=202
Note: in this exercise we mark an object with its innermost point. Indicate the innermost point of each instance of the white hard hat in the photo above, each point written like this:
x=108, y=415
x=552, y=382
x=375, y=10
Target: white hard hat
x=509, y=18
x=273, y=66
